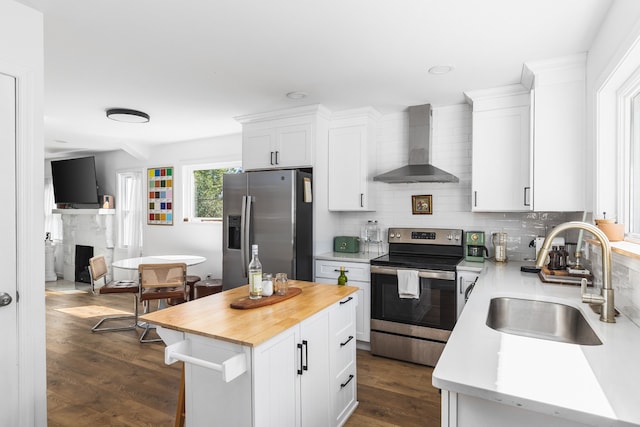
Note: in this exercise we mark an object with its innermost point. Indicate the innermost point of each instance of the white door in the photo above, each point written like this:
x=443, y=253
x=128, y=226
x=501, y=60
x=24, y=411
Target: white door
x=8, y=263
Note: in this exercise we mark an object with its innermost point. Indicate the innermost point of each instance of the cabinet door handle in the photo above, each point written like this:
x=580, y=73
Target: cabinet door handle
x=526, y=190
x=346, y=301
x=362, y=200
x=338, y=271
x=475, y=199
x=343, y=385
x=271, y=158
x=277, y=160
x=305, y=365
x=342, y=344
x=300, y=368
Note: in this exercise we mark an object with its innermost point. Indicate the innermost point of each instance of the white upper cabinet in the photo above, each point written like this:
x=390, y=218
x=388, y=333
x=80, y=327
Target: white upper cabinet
x=500, y=149
x=529, y=140
x=558, y=90
x=280, y=139
x=351, y=157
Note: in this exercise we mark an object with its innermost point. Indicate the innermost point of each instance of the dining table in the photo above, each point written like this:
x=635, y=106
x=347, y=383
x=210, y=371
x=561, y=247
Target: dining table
x=133, y=263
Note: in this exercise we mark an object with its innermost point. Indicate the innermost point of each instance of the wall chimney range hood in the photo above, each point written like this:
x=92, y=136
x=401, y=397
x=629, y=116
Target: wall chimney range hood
x=419, y=169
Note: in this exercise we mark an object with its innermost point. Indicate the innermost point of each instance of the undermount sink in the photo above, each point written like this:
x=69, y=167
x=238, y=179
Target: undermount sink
x=540, y=319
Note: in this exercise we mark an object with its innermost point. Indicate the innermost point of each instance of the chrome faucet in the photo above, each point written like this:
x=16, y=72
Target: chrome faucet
x=607, y=312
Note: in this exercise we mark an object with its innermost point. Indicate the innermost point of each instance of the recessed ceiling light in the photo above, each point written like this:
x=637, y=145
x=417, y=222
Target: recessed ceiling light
x=126, y=115
x=297, y=95
x=441, y=69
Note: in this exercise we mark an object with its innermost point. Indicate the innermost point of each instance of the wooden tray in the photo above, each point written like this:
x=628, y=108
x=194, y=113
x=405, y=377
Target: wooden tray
x=245, y=303
x=563, y=277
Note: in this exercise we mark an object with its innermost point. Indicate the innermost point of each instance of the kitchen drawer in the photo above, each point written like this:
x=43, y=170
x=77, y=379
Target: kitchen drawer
x=345, y=351
x=345, y=393
x=342, y=317
x=358, y=271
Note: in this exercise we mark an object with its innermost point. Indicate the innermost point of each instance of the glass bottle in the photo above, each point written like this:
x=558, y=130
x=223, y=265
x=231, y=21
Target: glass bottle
x=342, y=278
x=255, y=274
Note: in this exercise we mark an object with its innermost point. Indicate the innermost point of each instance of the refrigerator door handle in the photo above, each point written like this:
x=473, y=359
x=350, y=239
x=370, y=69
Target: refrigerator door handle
x=245, y=232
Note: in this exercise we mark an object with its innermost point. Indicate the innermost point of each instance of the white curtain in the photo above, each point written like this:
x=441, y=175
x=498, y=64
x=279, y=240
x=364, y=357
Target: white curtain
x=130, y=214
x=52, y=222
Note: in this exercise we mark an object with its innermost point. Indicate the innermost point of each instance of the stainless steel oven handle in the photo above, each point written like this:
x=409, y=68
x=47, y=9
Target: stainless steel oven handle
x=427, y=274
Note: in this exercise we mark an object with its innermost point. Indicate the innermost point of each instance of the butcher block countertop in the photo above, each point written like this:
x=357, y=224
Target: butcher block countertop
x=212, y=316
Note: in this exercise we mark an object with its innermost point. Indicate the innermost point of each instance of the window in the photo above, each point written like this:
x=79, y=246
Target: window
x=203, y=190
x=130, y=211
x=633, y=167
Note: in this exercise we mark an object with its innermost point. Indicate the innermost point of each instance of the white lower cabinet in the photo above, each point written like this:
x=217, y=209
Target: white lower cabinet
x=291, y=381
x=358, y=274
x=304, y=376
x=342, y=344
x=460, y=410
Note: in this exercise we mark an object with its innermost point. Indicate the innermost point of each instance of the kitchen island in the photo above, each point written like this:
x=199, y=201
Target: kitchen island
x=491, y=378
x=287, y=364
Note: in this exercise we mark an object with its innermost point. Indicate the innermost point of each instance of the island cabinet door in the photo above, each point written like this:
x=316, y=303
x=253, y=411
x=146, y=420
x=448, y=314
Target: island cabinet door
x=291, y=376
x=276, y=381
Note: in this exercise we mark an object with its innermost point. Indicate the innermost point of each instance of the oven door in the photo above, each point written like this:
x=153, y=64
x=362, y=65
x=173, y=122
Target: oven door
x=436, y=307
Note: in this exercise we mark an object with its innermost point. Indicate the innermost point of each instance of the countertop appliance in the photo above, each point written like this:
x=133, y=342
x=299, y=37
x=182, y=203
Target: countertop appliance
x=474, y=246
x=415, y=329
x=346, y=244
x=267, y=208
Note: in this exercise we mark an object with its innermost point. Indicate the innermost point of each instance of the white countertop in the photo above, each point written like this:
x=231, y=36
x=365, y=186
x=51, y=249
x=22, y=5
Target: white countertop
x=476, y=267
x=595, y=385
x=346, y=257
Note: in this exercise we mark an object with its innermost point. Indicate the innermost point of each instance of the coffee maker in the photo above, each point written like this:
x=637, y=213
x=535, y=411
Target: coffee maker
x=474, y=246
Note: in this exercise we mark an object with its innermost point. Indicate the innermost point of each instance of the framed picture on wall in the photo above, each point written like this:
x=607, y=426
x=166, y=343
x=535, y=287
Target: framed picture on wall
x=421, y=205
x=160, y=196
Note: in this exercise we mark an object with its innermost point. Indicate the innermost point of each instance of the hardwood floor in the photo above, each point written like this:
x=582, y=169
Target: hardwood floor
x=110, y=379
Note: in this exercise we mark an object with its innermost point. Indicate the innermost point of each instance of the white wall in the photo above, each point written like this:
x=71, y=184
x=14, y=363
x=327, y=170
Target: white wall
x=203, y=239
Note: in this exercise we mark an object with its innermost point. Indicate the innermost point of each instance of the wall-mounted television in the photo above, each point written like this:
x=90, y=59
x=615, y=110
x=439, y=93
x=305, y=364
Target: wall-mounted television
x=74, y=181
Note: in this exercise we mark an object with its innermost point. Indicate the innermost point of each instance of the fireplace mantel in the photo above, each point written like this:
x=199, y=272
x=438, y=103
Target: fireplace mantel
x=84, y=211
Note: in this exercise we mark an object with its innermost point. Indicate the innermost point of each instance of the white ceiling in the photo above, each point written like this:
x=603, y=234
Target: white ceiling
x=193, y=65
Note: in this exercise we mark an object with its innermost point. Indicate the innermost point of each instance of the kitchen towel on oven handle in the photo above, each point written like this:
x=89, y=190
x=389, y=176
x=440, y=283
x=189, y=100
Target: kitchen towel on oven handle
x=408, y=284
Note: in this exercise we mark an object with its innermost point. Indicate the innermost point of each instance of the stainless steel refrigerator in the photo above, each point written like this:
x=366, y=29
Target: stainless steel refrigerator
x=272, y=209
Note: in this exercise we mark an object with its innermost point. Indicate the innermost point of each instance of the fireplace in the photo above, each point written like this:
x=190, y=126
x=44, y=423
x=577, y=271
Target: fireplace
x=83, y=254
x=85, y=227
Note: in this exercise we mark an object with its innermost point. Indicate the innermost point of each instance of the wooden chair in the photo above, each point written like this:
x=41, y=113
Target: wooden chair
x=160, y=282
x=98, y=271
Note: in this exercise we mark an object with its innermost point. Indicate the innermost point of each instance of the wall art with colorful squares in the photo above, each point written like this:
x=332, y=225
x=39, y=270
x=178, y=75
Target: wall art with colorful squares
x=160, y=194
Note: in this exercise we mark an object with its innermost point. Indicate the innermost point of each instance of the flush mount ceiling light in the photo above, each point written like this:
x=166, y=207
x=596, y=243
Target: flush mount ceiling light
x=297, y=95
x=441, y=69
x=126, y=115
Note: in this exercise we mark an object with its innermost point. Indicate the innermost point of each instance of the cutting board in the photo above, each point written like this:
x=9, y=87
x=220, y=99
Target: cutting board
x=245, y=303
x=563, y=277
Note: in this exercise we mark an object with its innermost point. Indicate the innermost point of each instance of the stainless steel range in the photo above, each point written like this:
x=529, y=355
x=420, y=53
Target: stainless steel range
x=414, y=295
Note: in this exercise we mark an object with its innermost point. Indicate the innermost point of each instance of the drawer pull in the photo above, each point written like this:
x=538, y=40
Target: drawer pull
x=346, y=301
x=342, y=344
x=348, y=381
x=338, y=271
